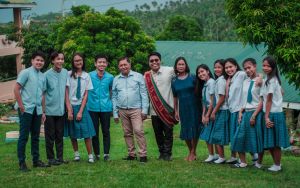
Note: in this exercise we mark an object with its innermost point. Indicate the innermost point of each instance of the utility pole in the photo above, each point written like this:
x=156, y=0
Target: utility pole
x=62, y=8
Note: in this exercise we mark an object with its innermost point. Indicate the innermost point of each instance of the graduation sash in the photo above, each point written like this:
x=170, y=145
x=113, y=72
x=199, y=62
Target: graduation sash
x=160, y=106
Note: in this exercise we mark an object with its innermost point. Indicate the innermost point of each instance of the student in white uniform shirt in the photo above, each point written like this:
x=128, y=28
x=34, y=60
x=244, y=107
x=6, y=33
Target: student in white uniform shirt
x=248, y=136
x=208, y=101
x=220, y=113
x=274, y=126
x=234, y=83
x=81, y=125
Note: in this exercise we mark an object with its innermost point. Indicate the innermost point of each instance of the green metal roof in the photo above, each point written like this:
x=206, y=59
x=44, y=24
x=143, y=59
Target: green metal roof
x=197, y=53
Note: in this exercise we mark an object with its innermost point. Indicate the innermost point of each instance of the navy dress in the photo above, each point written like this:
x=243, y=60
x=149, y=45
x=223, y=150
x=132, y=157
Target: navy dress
x=189, y=113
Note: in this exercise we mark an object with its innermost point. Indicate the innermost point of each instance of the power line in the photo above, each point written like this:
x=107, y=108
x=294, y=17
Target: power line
x=111, y=4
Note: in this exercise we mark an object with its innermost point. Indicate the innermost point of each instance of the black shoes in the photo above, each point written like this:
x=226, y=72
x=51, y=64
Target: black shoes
x=40, y=163
x=23, y=167
x=54, y=162
x=106, y=158
x=161, y=157
x=132, y=158
x=62, y=161
x=165, y=157
x=129, y=158
x=143, y=159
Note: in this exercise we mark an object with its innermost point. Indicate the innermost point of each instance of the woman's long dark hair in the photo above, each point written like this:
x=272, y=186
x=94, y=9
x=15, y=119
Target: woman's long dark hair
x=234, y=62
x=200, y=83
x=187, y=68
x=222, y=63
x=272, y=62
x=74, y=69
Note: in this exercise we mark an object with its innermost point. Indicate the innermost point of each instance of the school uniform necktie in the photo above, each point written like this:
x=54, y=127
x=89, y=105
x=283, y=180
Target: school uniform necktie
x=78, y=94
x=227, y=88
x=204, y=95
x=249, y=96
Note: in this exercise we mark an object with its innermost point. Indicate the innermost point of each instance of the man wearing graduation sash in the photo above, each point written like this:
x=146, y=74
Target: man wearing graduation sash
x=158, y=82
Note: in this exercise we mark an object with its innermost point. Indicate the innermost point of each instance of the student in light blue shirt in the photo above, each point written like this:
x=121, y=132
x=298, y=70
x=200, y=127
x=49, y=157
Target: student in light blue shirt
x=100, y=105
x=28, y=92
x=56, y=80
x=130, y=103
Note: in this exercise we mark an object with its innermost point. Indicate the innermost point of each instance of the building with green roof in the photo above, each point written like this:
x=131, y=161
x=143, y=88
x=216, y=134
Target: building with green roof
x=197, y=53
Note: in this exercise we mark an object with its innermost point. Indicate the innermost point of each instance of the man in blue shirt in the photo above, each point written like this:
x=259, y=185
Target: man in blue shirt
x=100, y=105
x=130, y=103
x=28, y=92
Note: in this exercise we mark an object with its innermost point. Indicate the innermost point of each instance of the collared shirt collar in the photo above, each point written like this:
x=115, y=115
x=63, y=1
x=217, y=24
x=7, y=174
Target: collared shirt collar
x=34, y=69
x=219, y=78
x=98, y=75
x=56, y=71
x=84, y=75
x=249, y=79
x=129, y=74
x=206, y=83
x=158, y=72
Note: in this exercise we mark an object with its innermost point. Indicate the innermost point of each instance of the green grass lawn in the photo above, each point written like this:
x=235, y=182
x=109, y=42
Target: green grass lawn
x=118, y=173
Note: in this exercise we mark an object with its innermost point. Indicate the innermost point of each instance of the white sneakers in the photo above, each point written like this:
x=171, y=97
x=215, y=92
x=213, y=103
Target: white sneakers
x=91, y=158
x=76, y=156
x=220, y=161
x=231, y=160
x=275, y=168
x=209, y=159
x=240, y=165
x=257, y=165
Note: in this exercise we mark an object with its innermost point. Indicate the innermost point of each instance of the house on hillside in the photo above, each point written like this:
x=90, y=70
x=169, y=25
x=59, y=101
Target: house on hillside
x=197, y=53
x=8, y=48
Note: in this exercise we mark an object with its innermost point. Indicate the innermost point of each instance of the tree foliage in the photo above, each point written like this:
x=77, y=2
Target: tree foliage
x=34, y=38
x=276, y=23
x=210, y=14
x=113, y=34
x=182, y=28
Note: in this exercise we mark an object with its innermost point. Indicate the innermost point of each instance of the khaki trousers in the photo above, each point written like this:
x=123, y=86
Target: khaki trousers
x=132, y=124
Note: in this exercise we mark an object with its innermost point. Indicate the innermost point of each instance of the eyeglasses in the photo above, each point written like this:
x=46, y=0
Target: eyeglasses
x=154, y=60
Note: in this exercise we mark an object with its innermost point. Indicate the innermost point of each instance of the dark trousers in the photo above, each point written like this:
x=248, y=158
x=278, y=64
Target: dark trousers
x=163, y=135
x=104, y=118
x=54, y=132
x=29, y=123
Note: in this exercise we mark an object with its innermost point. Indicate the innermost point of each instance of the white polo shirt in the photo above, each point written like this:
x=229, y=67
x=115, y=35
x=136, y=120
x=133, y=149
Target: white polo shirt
x=220, y=89
x=235, y=91
x=86, y=84
x=255, y=92
x=274, y=88
x=210, y=90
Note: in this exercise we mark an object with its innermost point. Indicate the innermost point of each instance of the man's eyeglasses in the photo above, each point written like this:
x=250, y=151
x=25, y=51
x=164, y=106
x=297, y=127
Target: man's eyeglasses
x=154, y=60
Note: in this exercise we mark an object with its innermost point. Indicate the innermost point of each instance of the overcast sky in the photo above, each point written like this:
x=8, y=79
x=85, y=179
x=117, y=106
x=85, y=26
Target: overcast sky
x=45, y=6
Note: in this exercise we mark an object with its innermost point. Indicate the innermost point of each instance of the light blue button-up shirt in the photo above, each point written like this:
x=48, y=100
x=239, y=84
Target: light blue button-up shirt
x=33, y=86
x=129, y=93
x=99, y=99
x=55, y=92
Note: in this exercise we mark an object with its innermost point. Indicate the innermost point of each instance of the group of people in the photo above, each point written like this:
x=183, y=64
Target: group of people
x=232, y=106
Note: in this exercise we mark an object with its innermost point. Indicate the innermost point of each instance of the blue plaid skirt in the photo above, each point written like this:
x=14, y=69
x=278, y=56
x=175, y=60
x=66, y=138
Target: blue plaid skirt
x=233, y=124
x=80, y=129
x=206, y=131
x=248, y=138
x=277, y=136
x=220, y=130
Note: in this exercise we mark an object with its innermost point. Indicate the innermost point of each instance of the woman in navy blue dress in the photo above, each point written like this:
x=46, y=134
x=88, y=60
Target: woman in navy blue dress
x=185, y=105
